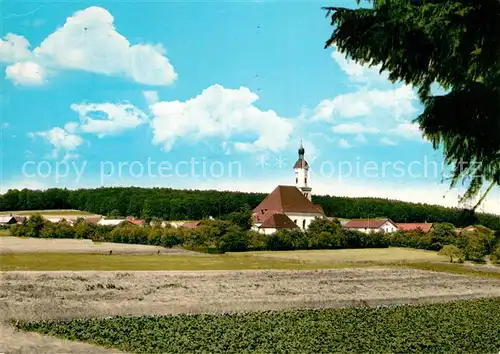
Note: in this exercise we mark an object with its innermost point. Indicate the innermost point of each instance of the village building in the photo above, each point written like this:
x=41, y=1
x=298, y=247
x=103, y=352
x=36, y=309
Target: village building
x=7, y=220
x=372, y=225
x=111, y=222
x=288, y=207
x=424, y=227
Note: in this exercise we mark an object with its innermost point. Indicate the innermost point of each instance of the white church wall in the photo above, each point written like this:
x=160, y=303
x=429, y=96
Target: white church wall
x=267, y=231
x=303, y=220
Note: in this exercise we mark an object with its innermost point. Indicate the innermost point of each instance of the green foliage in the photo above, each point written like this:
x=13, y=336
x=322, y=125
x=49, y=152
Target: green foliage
x=460, y=327
x=495, y=255
x=452, y=43
x=476, y=244
x=172, y=204
x=243, y=219
x=451, y=251
x=440, y=235
x=34, y=226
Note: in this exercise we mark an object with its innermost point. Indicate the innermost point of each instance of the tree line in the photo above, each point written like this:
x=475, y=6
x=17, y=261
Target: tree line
x=175, y=204
x=234, y=234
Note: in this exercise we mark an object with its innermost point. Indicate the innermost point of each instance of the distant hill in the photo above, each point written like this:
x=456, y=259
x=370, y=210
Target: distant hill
x=176, y=204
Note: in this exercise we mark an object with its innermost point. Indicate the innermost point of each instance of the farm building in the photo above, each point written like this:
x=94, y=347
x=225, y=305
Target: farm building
x=371, y=225
x=7, y=220
x=425, y=227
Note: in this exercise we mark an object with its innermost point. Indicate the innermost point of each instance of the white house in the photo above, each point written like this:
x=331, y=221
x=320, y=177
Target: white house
x=111, y=222
x=7, y=220
x=288, y=207
x=371, y=225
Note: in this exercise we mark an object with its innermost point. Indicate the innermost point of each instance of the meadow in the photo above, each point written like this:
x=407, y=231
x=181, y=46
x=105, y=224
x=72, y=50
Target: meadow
x=50, y=212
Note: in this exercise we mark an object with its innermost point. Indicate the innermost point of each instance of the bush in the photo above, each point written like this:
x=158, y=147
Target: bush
x=171, y=237
x=476, y=245
x=451, y=251
x=257, y=241
x=495, y=255
x=286, y=240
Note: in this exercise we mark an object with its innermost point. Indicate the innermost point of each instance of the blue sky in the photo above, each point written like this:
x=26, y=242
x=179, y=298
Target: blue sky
x=219, y=95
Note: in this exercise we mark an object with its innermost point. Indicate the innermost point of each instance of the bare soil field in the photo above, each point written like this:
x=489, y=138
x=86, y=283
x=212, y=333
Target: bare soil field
x=60, y=295
x=11, y=244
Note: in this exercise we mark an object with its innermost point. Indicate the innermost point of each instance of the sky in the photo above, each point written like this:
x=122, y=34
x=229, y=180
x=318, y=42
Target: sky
x=204, y=95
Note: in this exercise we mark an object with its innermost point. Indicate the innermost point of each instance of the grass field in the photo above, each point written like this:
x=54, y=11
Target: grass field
x=455, y=327
x=77, y=261
x=58, y=212
x=4, y=232
x=393, y=254
x=58, y=261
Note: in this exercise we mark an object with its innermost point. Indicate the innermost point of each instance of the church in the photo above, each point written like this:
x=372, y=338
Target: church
x=288, y=207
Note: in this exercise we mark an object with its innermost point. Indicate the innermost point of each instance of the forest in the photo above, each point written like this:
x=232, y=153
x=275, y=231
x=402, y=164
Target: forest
x=176, y=204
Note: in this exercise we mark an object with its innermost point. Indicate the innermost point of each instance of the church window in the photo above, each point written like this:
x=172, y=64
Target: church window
x=304, y=224
x=295, y=221
x=296, y=180
x=306, y=180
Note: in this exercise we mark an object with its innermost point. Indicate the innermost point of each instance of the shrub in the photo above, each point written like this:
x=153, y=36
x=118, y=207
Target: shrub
x=171, y=237
x=495, y=255
x=475, y=245
x=287, y=240
x=257, y=241
x=451, y=251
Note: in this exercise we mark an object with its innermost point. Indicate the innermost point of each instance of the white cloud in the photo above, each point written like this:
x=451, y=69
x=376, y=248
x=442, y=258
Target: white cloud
x=354, y=128
x=14, y=48
x=408, y=131
x=151, y=97
x=61, y=140
x=388, y=142
x=71, y=127
x=25, y=73
x=343, y=143
x=356, y=72
x=393, y=103
x=88, y=41
x=108, y=118
x=360, y=139
x=223, y=113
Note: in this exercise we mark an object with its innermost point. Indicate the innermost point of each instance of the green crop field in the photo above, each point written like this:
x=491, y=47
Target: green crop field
x=454, y=327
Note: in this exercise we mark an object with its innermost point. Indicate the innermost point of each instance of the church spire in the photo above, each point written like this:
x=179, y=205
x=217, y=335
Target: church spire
x=301, y=150
x=301, y=169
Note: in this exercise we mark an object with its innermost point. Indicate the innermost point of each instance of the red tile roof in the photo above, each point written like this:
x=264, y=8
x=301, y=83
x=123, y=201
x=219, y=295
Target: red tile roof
x=278, y=221
x=414, y=226
x=284, y=199
x=93, y=220
x=301, y=163
x=366, y=223
x=136, y=222
x=191, y=224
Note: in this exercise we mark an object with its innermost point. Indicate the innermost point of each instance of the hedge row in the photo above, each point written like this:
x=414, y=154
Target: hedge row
x=230, y=236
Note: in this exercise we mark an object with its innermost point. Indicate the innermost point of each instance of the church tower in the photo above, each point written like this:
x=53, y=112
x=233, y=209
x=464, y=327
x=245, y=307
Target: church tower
x=301, y=169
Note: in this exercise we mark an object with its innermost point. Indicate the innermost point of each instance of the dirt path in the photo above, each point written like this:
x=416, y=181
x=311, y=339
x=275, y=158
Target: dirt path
x=57, y=295
x=16, y=342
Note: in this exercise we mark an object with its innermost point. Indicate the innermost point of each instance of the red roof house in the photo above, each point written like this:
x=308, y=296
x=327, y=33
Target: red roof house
x=371, y=225
x=415, y=226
